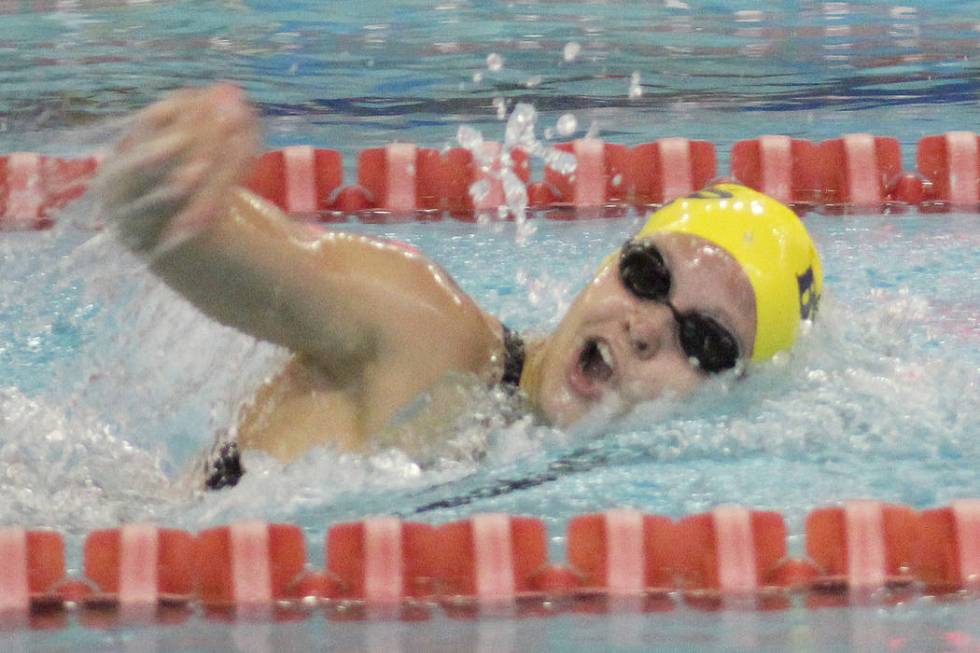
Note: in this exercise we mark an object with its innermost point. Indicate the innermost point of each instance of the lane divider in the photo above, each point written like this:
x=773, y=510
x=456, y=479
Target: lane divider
x=495, y=564
x=402, y=181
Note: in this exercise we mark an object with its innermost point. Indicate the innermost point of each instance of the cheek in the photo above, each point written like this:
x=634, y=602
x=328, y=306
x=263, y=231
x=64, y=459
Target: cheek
x=560, y=407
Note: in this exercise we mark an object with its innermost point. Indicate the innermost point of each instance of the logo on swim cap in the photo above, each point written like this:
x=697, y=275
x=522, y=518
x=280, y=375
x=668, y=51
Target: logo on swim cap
x=809, y=299
x=770, y=243
x=710, y=193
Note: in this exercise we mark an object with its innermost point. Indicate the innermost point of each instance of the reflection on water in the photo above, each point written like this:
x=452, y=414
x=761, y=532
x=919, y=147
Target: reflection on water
x=419, y=68
x=950, y=627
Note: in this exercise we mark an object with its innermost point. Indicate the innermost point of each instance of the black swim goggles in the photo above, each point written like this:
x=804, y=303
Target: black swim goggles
x=644, y=274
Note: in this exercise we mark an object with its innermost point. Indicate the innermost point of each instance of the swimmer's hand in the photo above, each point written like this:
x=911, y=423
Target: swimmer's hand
x=173, y=173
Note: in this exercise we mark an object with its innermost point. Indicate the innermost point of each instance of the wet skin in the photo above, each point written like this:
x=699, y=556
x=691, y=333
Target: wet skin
x=639, y=337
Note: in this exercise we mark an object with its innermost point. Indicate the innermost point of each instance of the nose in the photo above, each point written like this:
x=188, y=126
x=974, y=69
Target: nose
x=648, y=329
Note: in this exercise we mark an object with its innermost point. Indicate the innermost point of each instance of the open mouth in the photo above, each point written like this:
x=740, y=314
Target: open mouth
x=594, y=368
x=596, y=360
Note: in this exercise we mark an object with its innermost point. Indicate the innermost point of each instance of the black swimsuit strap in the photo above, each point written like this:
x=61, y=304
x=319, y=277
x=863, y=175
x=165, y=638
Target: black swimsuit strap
x=225, y=470
x=513, y=358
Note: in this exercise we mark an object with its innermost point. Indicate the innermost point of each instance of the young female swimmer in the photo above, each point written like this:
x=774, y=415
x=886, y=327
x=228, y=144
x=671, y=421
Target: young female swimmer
x=712, y=281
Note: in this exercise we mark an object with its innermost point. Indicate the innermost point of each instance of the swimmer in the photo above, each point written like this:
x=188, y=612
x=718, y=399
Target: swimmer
x=711, y=283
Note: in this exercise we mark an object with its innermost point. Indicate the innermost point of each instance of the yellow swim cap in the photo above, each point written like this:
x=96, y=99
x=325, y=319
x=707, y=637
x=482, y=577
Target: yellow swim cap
x=770, y=243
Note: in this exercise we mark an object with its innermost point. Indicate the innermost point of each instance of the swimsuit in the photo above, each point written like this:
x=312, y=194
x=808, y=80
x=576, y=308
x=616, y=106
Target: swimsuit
x=225, y=468
x=513, y=359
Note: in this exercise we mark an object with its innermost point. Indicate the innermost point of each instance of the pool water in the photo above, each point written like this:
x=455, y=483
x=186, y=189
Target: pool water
x=111, y=386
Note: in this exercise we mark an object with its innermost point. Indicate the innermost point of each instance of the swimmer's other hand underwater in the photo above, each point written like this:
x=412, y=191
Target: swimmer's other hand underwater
x=712, y=282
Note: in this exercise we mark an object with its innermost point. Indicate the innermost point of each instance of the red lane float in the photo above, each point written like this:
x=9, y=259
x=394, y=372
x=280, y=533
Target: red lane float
x=403, y=181
x=622, y=552
x=249, y=565
x=33, y=187
x=489, y=561
x=140, y=564
x=382, y=560
x=951, y=163
x=863, y=545
x=947, y=546
x=602, y=174
x=859, y=170
x=782, y=167
x=23, y=193
x=32, y=563
x=733, y=556
x=671, y=168
x=623, y=560
x=401, y=178
x=492, y=564
x=298, y=179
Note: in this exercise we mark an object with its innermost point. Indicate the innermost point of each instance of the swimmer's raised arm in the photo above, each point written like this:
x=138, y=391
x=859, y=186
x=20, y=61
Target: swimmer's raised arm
x=343, y=300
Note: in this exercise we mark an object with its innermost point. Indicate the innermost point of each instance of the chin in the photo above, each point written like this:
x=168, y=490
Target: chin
x=561, y=409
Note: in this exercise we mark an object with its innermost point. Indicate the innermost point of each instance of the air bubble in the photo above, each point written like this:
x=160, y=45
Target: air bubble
x=572, y=50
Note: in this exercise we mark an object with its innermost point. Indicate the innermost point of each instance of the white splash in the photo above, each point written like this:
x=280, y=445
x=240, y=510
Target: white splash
x=519, y=133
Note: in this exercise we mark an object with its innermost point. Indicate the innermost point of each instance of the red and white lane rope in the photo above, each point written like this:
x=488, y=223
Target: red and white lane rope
x=384, y=567
x=402, y=181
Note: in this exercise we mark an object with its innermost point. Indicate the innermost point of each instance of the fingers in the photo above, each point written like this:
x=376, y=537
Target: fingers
x=178, y=164
x=137, y=223
x=150, y=164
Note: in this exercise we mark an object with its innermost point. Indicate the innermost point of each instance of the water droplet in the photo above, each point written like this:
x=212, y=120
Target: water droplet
x=571, y=51
x=636, y=90
x=479, y=190
x=520, y=126
x=500, y=104
x=494, y=62
x=469, y=137
x=560, y=161
x=567, y=124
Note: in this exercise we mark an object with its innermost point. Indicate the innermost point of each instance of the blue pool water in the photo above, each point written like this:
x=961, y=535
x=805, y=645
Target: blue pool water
x=110, y=385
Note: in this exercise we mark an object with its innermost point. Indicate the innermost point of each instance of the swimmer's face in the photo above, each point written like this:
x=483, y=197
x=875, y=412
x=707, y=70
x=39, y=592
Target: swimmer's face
x=613, y=345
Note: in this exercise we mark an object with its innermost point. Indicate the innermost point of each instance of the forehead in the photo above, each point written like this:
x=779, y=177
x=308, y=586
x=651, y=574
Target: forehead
x=706, y=278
